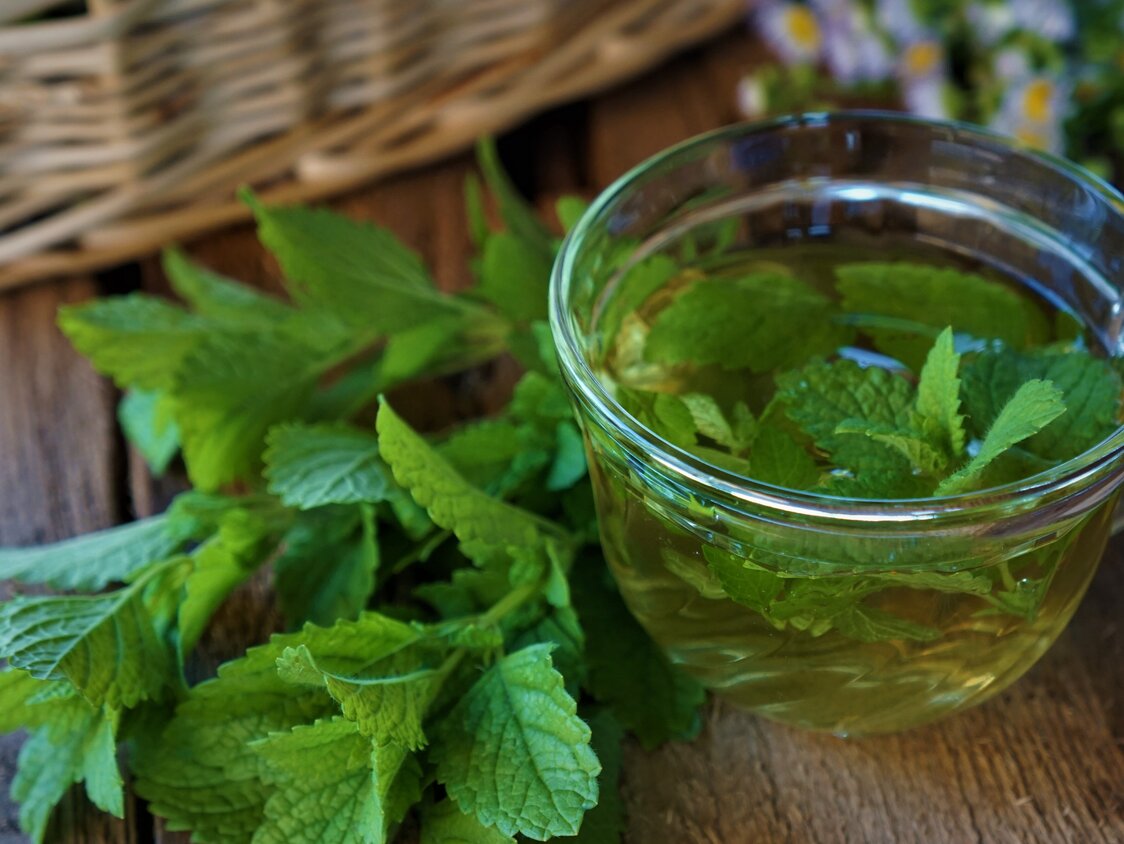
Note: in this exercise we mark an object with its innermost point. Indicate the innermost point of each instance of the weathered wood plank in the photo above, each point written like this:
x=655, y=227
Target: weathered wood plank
x=1042, y=763
x=59, y=476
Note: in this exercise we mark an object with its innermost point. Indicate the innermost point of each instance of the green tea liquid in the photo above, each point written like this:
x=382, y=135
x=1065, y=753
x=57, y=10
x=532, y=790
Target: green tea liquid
x=811, y=674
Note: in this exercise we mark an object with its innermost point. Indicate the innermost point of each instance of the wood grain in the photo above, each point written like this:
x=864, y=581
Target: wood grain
x=59, y=473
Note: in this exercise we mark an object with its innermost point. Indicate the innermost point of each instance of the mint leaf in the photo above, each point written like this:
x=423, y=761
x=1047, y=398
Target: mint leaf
x=869, y=624
x=220, y=564
x=517, y=214
x=936, y=297
x=758, y=322
x=146, y=418
x=626, y=670
x=325, y=790
x=436, y=345
x=216, y=297
x=381, y=672
x=327, y=570
x=359, y=273
x=17, y=708
x=605, y=822
x=444, y=823
x=823, y=396
x=107, y=645
x=710, y=421
x=636, y=284
x=779, y=460
x=569, y=210
x=1033, y=406
x=1091, y=390
x=78, y=745
x=569, y=458
x=91, y=562
x=138, y=340
x=938, y=397
x=513, y=752
x=562, y=629
x=923, y=456
x=474, y=212
x=452, y=502
x=202, y=774
x=514, y=275
x=483, y=452
x=743, y=581
x=229, y=392
x=313, y=465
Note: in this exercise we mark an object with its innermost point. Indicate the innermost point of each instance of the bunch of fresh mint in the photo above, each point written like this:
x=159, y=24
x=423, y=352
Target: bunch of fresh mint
x=456, y=652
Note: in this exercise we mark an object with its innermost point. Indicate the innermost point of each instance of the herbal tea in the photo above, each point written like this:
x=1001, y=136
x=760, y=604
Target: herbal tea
x=851, y=371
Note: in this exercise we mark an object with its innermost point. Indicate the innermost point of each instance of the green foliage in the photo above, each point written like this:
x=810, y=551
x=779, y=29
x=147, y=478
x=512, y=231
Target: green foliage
x=627, y=672
x=760, y=322
x=146, y=418
x=327, y=569
x=1033, y=406
x=313, y=465
x=445, y=823
x=93, y=561
x=1090, y=387
x=433, y=575
x=923, y=295
x=513, y=752
x=108, y=646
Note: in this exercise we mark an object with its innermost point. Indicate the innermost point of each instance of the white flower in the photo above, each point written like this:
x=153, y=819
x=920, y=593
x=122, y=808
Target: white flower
x=1052, y=19
x=1011, y=65
x=923, y=60
x=854, y=52
x=898, y=18
x=990, y=20
x=791, y=30
x=926, y=97
x=752, y=97
x=923, y=76
x=1033, y=112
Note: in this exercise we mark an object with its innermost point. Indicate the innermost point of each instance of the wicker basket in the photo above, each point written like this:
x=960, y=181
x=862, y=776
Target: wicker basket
x=128, y=123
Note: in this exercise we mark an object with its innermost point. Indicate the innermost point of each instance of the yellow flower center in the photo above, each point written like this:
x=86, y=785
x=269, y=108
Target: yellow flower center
x=922, y=58
x=1037, y=99
x=1032, y=137
x=803, y=28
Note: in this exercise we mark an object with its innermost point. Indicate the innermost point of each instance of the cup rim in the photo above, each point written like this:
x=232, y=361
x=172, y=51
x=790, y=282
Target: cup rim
x=695, y=471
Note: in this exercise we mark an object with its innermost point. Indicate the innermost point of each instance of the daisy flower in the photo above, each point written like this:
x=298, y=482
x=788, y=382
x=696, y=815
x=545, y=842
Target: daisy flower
x=898, y=18
x=1011, y=65
x=791, y=30
x=990, y=20
x=752, y=98
x=923, y=77
x=1052, y=19
x=853, y=51
x=1033, y=112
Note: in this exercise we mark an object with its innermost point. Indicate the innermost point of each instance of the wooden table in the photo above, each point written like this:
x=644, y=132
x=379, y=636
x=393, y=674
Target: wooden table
x=1042, y=763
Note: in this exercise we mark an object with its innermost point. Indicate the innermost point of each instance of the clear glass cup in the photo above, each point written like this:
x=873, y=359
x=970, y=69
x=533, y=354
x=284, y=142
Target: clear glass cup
x=663, y=510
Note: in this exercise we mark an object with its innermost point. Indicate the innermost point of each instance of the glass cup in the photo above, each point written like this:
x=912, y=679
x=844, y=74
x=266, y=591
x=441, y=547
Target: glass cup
x=995, y=574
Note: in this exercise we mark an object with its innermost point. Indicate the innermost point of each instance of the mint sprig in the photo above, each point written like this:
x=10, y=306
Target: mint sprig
x=425, y=579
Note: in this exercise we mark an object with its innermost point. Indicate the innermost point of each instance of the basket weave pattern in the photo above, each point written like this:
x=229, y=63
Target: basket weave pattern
x=128, y=123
